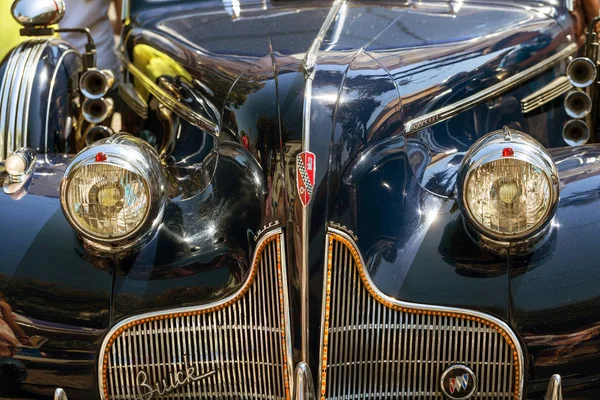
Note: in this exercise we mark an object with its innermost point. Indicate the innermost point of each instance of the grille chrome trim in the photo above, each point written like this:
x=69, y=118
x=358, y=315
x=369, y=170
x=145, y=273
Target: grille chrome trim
x=209, y=335
x=412, y=317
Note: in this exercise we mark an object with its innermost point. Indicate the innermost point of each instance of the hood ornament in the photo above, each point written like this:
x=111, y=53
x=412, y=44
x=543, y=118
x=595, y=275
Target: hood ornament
x=305, y=176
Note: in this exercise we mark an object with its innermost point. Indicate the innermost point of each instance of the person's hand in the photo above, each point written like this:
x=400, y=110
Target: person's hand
x=24, y=340
x=583, y=12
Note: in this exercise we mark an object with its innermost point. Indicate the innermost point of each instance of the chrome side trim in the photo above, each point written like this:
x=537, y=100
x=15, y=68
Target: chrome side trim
x=30, y=75
x=51, y=91
x=554, y=89
x=133, y=99
x=413, y=317
x=15, y=95
x=171, y=102
x=446, y=112
x=5, y=96
x=554, y=391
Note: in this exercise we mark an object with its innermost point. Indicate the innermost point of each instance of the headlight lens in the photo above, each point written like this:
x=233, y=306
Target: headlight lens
x=508, y=185
x=508, y=196
x=107, y=201
x=113, y=193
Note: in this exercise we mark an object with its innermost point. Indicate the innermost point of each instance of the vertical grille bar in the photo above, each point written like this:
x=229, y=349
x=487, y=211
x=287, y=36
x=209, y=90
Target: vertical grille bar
x=242, y=342
x=403, y=349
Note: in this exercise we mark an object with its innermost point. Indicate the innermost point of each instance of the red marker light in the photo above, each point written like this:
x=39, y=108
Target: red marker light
x=101, y=157
x=508, y=152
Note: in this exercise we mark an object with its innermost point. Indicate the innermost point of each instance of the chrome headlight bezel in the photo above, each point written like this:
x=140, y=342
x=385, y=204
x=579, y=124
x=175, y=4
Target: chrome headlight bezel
x=490, y=148
x=134, y=155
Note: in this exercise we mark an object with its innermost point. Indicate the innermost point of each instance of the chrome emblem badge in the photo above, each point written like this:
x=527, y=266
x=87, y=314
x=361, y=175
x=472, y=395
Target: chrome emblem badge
x=458, y=382
x=305, y=176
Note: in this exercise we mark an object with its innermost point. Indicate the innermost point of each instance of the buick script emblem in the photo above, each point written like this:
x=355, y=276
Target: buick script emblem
x=305, y=176
x=458, y=382
x=175, y=380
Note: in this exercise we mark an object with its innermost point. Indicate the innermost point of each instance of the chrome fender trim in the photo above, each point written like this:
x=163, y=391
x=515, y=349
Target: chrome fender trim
x=449, y=111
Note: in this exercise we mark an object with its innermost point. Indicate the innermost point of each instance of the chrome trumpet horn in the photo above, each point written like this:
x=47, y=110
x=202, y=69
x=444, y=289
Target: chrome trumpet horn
x=95, y=83
x=578, y=104
x=581, y=72
x=576, y=132
x=95, y=133
x=97, y=110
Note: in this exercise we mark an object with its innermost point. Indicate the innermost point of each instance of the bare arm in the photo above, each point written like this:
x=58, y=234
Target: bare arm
x=7, y=315
x=584, y=11
x=117, y=25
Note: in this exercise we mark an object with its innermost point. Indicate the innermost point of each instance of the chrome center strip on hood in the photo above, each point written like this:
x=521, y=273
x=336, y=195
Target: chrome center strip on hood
x=310, y=60
x=308, y=64
x=447, y=112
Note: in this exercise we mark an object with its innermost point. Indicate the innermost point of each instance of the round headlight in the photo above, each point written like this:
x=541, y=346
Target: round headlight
x=113, y=192
x=508, y=186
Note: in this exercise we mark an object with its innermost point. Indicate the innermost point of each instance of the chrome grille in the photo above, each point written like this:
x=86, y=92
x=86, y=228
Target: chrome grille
x=375, y=346
x=242, y=342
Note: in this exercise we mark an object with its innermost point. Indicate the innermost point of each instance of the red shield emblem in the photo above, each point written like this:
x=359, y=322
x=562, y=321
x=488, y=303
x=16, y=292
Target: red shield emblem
x=305, y=176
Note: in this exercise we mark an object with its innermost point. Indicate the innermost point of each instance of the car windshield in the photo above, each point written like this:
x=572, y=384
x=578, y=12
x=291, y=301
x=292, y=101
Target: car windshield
x=140, y=5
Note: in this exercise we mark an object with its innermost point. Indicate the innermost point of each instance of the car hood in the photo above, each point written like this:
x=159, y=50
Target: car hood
x=221, y=43
x=380, y=64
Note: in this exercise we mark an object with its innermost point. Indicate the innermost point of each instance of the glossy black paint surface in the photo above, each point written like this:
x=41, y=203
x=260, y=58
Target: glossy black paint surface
x=380, y=65
x=59, y=296
x=201, y=253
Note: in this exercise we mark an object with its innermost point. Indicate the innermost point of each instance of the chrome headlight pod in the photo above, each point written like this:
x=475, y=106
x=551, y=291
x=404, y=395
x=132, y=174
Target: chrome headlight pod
x=113, y=193
x=508, y=187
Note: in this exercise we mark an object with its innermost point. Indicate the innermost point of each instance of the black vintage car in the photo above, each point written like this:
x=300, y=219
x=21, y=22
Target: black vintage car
x=326, y=199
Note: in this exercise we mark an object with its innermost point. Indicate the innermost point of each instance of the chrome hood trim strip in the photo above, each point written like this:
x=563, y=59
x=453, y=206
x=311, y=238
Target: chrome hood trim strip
x=308, y=64
x=449, y=111
x=544, y=95
x=310, y=59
